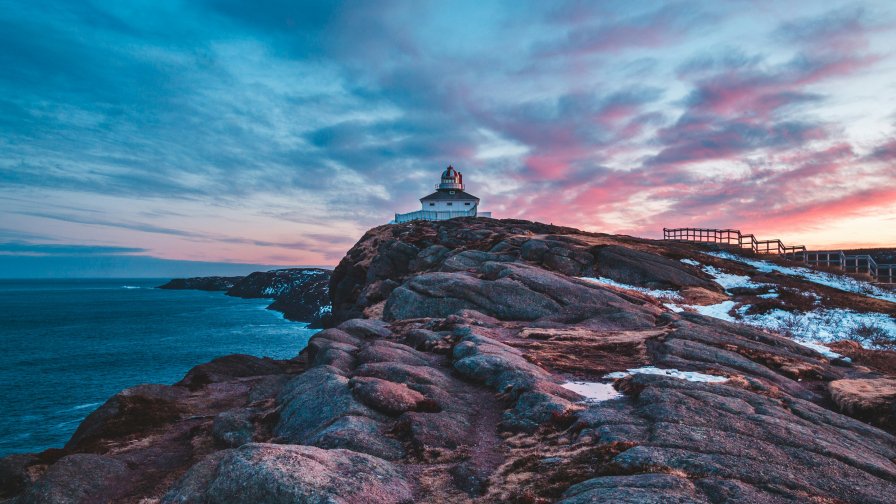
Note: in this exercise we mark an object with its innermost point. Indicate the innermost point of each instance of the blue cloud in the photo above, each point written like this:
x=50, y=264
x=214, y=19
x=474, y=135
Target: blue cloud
x=319, y=115
x=56, y=249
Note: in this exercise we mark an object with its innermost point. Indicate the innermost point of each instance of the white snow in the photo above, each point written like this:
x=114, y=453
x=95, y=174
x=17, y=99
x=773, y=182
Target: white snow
x=726, y=280
x=824, y=325
x=823, y=350
x=273, y=291
x=674, y=373
x=719, y=311
x=672, y=299
x=811, y=329
x=841, y=282
x=593, y=391
x=654, y=293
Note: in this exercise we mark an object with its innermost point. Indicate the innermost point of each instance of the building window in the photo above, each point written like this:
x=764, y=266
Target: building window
x=449, y=204
x=452, y=192
x=467, y=203
x=432, y=204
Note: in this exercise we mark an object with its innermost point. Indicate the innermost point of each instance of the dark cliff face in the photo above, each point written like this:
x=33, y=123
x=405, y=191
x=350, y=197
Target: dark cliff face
x=301, y=294
x=445, y=379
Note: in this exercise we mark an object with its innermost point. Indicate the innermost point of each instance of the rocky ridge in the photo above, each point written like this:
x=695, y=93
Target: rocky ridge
x=301, y=294
x=443, y=380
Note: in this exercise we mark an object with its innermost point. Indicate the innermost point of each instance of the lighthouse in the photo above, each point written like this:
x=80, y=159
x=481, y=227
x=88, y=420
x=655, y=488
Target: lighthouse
x=449, y=201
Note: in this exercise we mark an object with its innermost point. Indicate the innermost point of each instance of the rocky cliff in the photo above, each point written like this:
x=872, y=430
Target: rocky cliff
x=212, y=283
x=477, y=360
x=301, y=294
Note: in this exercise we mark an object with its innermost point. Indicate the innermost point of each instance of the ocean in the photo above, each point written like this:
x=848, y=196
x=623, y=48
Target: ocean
x=68, y=345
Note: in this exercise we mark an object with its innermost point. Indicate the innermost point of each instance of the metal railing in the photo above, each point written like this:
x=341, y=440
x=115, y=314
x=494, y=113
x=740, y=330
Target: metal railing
x=433, y=215
x=862, y=264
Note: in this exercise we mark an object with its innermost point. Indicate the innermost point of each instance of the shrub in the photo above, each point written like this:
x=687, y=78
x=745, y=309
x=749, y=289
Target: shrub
x=874, y=335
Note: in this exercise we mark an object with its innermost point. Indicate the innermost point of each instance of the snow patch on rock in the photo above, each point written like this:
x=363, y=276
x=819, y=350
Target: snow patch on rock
x=726, y=280
x=719, y=311
x=841, y=282
x=593, y=391
x=824, y=325
x=674, y=373
x=666, y=295
x=729, y=280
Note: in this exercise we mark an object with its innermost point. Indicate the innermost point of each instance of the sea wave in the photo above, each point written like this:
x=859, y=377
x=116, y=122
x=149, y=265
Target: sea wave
x=81, y=406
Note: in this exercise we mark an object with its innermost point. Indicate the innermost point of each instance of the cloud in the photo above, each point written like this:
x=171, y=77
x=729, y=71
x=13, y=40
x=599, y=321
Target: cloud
x=885, y=152
x=843, y=29
x=614, y=32
x=54, y=249
x=277, y=128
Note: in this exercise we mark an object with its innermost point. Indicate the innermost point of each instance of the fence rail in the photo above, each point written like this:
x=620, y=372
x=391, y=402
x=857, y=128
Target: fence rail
x=855, y=264
x=437, y=215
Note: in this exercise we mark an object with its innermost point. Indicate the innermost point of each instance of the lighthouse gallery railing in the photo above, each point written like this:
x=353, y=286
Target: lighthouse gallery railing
x=433, y=215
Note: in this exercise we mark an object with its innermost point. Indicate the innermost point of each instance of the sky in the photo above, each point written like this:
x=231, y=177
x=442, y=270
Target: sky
x=277, y=132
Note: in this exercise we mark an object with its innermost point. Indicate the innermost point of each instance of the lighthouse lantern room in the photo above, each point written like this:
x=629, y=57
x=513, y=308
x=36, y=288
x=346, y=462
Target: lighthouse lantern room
x=449, y=201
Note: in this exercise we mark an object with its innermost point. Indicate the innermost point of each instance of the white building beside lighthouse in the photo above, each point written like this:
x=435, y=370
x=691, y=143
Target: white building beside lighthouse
x=449, y=201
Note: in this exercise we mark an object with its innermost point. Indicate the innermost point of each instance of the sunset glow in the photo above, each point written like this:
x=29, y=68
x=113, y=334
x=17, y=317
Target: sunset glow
x=277, y=133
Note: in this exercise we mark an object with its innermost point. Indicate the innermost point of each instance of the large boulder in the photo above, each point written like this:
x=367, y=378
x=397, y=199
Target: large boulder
x=429, y=258
x=635, y=489
x=443, y=294
x=386, y=396
x=233, y=428
x=229, y=367
x=287, y=474
x=81, y=478
x=873, y=400
x=391, y=261
x=361, y=434
x=569, y=261
x=472, y=260
x=314, y=400
x=15, y=474
x=636, y=267
x=130, y=411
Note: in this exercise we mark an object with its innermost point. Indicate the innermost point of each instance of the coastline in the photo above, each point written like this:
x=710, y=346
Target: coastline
x=460, y=351
x=300, y=294
x=103, y=338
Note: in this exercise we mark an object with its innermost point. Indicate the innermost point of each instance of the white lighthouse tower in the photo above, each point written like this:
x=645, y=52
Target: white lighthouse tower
x=449, y=201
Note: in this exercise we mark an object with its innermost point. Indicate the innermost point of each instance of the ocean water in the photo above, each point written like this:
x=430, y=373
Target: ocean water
x=68, y=345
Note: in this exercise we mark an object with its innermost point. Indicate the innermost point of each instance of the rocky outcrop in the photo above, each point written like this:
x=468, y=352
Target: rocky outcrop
x=444, y=379
x=213, y=283
x=873, y=400
x=393, y=253
x=644, y=269
x=301, y=294
x=286, y=474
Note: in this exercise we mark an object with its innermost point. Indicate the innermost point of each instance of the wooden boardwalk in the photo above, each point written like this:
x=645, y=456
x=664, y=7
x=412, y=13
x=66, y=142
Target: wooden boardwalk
x=861, y=264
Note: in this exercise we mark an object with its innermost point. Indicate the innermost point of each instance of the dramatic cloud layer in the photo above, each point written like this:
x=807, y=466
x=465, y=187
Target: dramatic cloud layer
x=276, y=132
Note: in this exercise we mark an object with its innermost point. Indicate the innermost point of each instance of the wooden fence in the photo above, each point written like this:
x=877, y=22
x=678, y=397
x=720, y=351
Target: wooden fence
x=861, y=264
